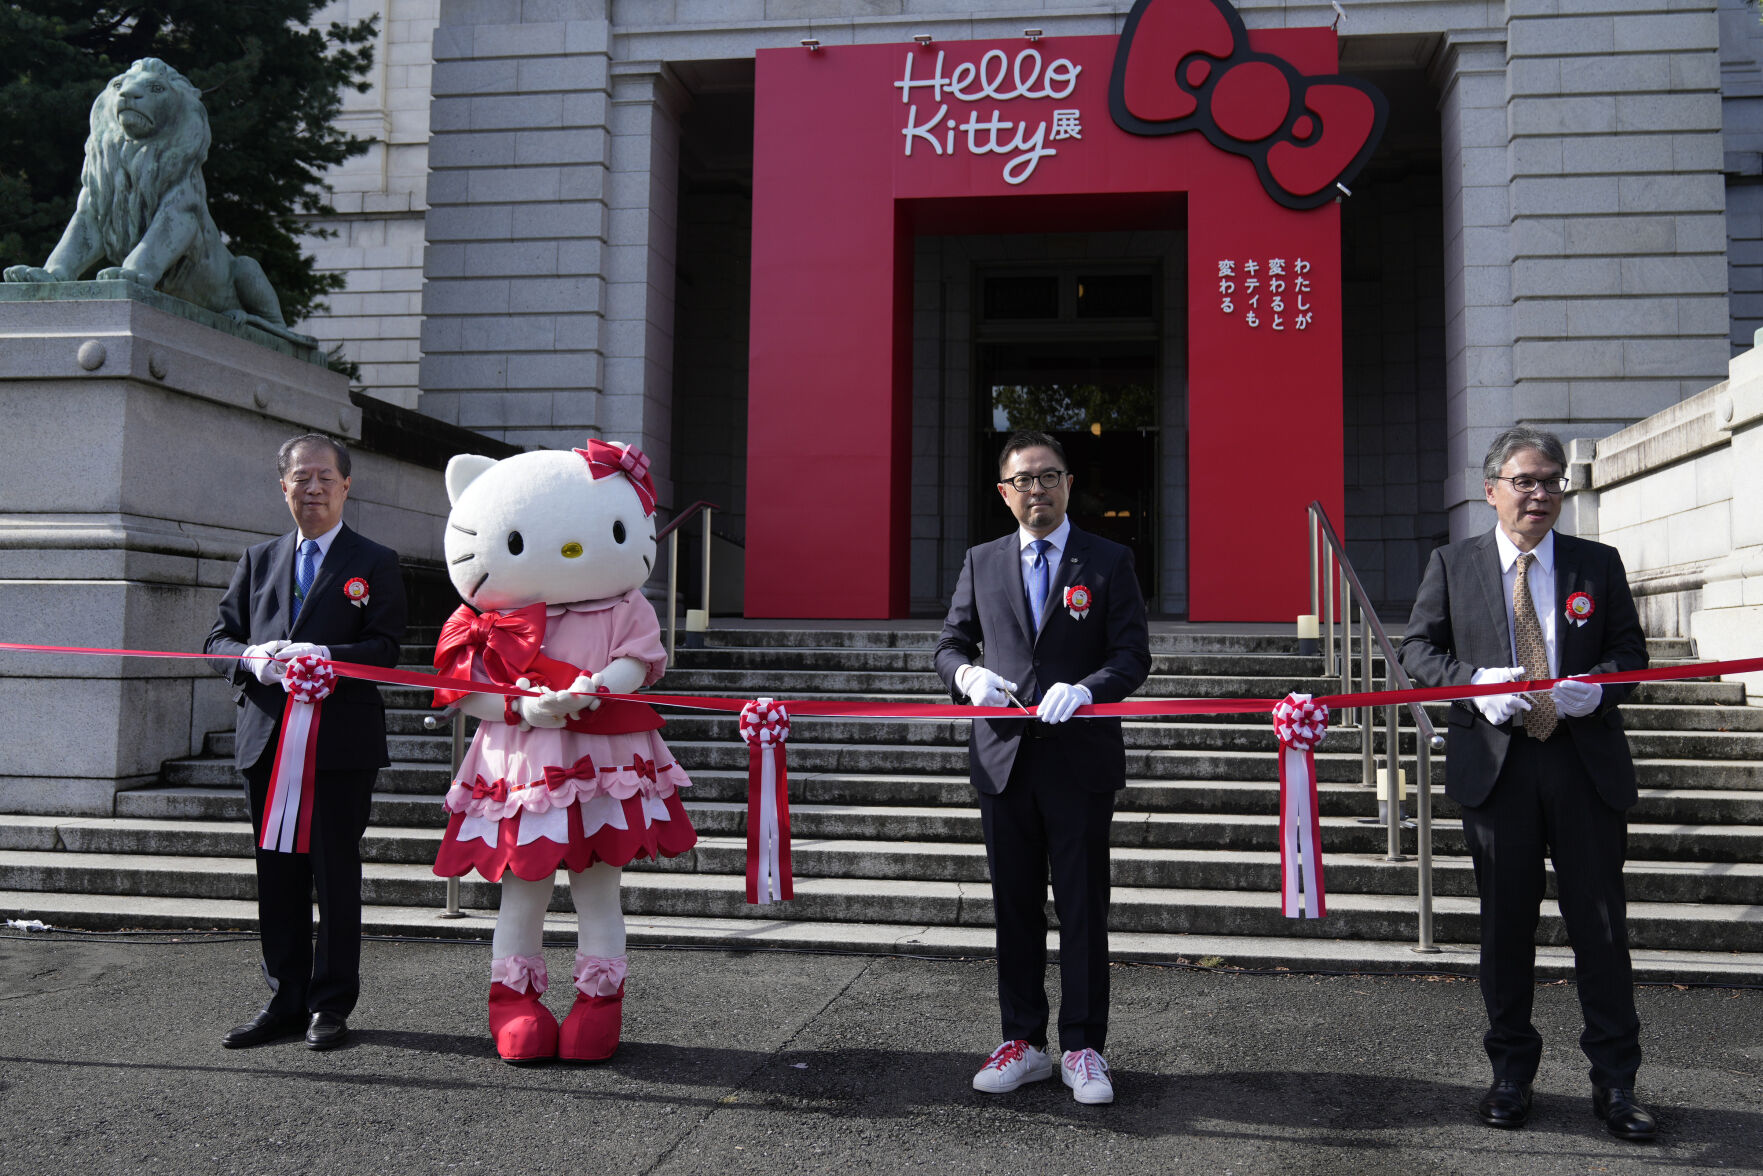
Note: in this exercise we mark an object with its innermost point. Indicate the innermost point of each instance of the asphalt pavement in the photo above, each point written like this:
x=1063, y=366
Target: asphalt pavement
x=110, y=1061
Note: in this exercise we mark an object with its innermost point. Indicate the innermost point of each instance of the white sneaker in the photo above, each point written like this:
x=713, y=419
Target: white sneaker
x=1085, y=1071
x=1010, y=1065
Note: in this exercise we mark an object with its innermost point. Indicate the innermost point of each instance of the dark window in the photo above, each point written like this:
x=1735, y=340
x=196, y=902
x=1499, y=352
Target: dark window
x=1114, y=296
x=1021, y=296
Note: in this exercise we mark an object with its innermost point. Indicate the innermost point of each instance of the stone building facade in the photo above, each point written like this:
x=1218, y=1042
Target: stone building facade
x=549, y=240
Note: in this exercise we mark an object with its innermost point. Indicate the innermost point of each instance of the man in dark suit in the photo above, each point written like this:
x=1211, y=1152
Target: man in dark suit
x=1058, y=615
x=1543, y=775
x=320, y=589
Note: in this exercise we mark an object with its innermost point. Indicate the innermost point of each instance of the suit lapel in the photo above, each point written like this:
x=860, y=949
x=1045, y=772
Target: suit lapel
x=1491, y=582
x=1009, y=551
x=281, y=584
x=1071, y=561
x=1566, y=574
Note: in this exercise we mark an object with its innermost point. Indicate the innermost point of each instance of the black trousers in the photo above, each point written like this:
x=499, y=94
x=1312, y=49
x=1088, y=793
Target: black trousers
x=1544, y=804
x=327, y=980
x=1037, y=822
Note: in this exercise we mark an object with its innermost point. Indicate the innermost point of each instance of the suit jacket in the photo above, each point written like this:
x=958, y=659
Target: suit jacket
x=1108, y=651
x=1459, y=626
x=257, y=608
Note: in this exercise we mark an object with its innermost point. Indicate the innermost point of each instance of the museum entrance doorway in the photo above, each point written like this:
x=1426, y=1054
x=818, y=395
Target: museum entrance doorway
x=1074, y=353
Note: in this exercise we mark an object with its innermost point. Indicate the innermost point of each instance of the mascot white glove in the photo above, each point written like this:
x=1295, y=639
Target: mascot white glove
x=543, y=711
x=300, y=648
x=261, y=661
x=982, y=687
x=1576, y=699
x=1061, y=701
x=1499, y=708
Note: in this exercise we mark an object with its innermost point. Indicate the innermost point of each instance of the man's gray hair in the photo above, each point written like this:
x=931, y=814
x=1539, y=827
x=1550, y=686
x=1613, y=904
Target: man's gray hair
x=284, y=457
x=1516, y=439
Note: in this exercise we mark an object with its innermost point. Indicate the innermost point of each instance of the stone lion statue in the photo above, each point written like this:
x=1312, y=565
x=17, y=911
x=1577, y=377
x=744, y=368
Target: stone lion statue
x=143, y=204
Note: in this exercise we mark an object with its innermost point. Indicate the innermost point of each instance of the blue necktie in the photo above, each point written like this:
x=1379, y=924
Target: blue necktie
x=303, y=575
x=1037, y=581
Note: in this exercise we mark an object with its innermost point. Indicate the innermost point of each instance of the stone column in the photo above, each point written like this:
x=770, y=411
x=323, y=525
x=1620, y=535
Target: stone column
x=1617, y=209
x=513, y=334
x=642, y=198
x=1470, y=75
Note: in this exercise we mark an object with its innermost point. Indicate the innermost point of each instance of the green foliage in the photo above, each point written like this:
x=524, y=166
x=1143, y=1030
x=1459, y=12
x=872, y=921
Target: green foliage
x=272, y=86
x=1055, y=408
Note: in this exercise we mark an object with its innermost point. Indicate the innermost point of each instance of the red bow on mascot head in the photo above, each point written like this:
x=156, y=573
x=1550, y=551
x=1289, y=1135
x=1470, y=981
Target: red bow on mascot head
x=605, y=459
x=1186, y=65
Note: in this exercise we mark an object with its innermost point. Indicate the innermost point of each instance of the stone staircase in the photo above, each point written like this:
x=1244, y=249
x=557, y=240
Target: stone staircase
x=887, y=847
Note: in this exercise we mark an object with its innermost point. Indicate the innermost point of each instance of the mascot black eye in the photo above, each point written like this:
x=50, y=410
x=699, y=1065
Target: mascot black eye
x=515, y=543
x=617, y=531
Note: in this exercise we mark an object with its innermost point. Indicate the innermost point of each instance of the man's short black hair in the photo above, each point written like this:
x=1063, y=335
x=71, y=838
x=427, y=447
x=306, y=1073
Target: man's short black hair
x=1029, y=439
x=284, y=457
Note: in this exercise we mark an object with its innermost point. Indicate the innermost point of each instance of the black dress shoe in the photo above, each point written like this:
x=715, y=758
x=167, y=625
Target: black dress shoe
x=326, y=1031
x=264, y=1027
x=1506, y=1104
x=1623, y=1117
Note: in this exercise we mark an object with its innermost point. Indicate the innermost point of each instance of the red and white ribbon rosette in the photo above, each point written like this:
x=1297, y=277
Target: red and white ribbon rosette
x=355, y=591
x=287, y=810
x=1580, y=608
x=1077, y=601
x=1300, y=724
x=765, y=725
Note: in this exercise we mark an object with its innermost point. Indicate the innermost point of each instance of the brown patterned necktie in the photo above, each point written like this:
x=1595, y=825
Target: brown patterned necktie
x=1527, y=634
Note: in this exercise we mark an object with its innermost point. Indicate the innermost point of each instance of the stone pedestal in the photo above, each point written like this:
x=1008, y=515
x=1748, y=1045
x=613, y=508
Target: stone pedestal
x=136, y=463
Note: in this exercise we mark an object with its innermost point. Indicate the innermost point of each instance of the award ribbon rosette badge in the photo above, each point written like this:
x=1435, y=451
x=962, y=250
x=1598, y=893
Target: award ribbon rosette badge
x=355, y=591
x=1077, y=601
x=765, y=725
x=1580, y=608
x=1300, y=722
x=287, y=809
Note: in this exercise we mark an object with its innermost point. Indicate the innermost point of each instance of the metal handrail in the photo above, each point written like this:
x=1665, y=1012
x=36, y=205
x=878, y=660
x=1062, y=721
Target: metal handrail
x=1329, y=563
x=671, y=533
x=456, y=717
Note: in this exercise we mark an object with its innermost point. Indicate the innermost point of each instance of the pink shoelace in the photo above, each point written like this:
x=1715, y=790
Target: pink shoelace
x=1087, y=1066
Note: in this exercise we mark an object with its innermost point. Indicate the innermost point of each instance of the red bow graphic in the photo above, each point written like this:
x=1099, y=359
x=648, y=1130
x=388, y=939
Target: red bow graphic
x=605, y=459
x=508, y=642
x=497, y=791
x=583, y=769
x=643, y=768
x=1186, y=65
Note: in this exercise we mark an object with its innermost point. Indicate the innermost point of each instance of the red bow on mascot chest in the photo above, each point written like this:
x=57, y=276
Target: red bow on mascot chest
x=507, y=644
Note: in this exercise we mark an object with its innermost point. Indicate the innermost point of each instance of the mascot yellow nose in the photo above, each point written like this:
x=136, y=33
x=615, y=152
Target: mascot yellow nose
x=571, y=550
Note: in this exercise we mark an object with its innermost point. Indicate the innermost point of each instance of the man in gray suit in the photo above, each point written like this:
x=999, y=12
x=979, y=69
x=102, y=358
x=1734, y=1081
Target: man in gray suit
x=1059, y=617
x=1542, y=775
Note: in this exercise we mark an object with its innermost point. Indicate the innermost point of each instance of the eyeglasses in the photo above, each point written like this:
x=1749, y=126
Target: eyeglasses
x=1023, y=483
x=1525, y=484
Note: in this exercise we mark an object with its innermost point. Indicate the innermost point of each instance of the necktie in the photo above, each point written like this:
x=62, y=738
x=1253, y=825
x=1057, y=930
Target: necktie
x=1037, y=581
x=304, y=573
x=1527, y=636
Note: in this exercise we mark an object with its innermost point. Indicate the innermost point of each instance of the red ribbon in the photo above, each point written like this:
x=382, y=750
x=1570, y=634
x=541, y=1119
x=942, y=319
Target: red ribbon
x=644, y=768
x=287, y=806
x=582, y=769
x=605, y=459
x=765, y=725
x=496, y=790
x=506, y=641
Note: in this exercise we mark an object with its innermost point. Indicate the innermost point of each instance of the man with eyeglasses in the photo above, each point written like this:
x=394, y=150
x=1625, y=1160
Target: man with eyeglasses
x=1542, y=775
x=1057, y=614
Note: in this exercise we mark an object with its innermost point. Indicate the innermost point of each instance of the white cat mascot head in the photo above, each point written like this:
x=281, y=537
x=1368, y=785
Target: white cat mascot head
x=551, y=526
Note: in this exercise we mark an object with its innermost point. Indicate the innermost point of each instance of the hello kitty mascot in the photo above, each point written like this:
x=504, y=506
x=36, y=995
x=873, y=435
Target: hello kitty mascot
x=550, y=550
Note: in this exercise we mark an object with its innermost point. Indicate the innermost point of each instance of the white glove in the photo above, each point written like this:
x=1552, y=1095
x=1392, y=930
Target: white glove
x=1499, y=708
x=1576, y=699
x=624, y=676
x=1060, y=701
x=300, y=648
x=982, y=687
x=534, y=712
x=261, y=662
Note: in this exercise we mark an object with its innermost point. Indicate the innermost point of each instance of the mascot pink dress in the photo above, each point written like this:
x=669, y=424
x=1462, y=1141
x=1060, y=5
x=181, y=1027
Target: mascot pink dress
x=550, y=550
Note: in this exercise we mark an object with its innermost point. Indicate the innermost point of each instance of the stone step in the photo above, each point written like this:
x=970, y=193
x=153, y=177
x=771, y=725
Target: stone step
x=1656, y=805
x=883, y=824
x=927, y=687
x=1189, y=868
x=1159, y=910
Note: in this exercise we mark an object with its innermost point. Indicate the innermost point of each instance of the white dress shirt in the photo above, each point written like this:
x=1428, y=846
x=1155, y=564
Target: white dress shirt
x=1541, y=580
x=1060, y=536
